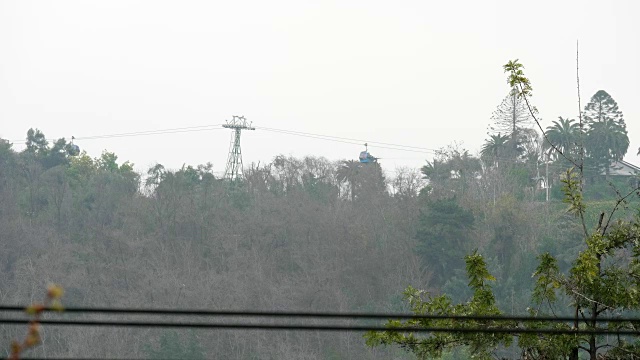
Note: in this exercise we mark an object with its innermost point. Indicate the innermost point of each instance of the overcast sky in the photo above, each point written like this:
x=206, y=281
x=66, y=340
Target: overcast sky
x=418, y=73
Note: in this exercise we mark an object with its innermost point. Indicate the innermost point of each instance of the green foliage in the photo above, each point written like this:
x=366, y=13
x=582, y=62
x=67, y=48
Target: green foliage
x=81, y=169
x=481, y=345
x=520, y=177
x=7, y=161
x=517, y=79
x=494, y=147
x=108, y=162
x=443, y=235
x=238, y=195
x=452, y=171
x=565, y=135
x=513, y=120
x=606, y=141
x=596, y=283
x=37, y=147
x=36, y=142
x=365, y=180
x=602, y=107
x=348, y=173
x=547, y=279
x=171, y=345
x=573, y=193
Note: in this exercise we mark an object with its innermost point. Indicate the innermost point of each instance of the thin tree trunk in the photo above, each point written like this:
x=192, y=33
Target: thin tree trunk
x=575, y=350
x=593, y=350
x=513, y=119
x=353, y=191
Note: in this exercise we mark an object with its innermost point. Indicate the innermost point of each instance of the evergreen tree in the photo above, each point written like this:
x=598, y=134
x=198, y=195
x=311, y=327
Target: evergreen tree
x=453, y=170
x=348, y=173
x=602, y=107
x=565, y=135
x=510, y=118
x=494, y=147
x=606, y=136
x=443, y=236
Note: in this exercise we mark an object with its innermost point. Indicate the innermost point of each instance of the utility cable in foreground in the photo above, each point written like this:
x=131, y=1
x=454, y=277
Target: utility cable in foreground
x=313, y=327
x=306, y=315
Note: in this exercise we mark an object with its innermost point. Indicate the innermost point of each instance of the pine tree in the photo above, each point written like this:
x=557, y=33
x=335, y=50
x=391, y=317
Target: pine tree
x=602, y=107
x=607, y=138
x=510, y=118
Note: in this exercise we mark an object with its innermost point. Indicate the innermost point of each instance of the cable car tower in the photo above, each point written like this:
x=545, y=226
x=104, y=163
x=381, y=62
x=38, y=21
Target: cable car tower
x=233, y=171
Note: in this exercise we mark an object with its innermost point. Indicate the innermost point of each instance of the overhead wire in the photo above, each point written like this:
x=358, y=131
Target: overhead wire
x=155, y=132
x=302, y=314
x=321, y=327
x=144, y=133
x=306, y=316
x=347, y=139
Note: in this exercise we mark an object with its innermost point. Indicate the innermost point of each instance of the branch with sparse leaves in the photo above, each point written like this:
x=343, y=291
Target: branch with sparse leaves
x=52, y=301
x=519, y=81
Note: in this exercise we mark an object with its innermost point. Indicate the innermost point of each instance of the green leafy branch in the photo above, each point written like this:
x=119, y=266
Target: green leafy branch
x=517, y=80
x=482, y=303
x=572, y=189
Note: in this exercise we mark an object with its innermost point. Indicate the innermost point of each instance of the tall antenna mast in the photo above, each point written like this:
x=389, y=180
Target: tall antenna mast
x=234, y=162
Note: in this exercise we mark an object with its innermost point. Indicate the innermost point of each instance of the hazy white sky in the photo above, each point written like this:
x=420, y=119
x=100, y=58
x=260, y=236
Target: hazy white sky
x=418, y=73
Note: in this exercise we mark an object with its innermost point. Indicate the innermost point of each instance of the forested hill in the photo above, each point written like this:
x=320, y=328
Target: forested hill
x=296, y=234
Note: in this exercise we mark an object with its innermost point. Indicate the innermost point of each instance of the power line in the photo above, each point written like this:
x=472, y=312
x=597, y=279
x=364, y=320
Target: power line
x=302, y=327
x=144, y=133
x=295, y=314
x=346, y=138
x=157, y=132
x=88, y=358
x=353, y=141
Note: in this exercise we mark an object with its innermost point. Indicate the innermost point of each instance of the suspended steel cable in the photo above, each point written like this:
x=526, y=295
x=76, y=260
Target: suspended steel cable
x=145, y=132
x=359, y=141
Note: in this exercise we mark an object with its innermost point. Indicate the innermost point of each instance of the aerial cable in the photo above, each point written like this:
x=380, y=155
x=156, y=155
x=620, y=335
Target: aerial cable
x=360, y=141
x=154, y=132
x=144, y=133
x=352, y=142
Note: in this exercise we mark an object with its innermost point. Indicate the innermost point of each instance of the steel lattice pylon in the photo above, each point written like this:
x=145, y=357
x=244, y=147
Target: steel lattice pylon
x=234, y=162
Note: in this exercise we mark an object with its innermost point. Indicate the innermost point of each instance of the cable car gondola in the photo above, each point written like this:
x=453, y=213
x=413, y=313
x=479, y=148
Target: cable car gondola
x=365, y=157
x=72, y=149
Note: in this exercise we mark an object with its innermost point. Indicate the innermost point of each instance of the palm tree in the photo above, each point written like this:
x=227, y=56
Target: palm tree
x=348, y=173
x=466, y=167
x=494, y=147
x=564, y=134
x=606, y=141
x=437, y=172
